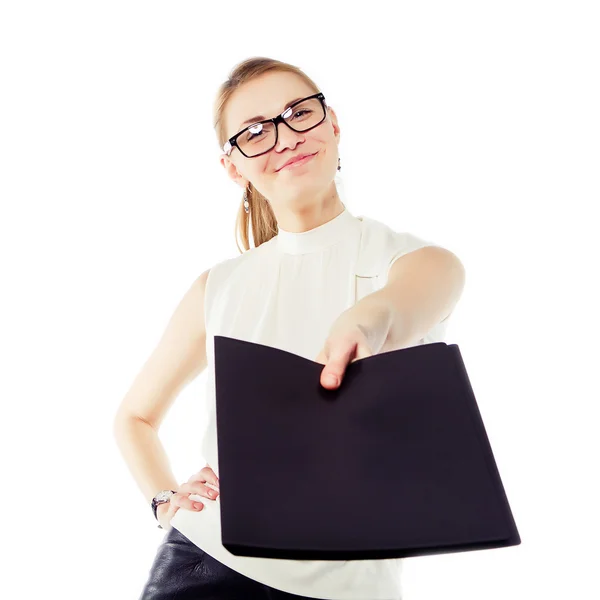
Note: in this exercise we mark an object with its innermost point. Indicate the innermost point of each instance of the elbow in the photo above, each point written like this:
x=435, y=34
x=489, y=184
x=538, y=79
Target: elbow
x=123, y=422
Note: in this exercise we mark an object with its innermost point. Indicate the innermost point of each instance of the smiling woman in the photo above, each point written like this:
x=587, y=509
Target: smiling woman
x=314, y=265
x=267, y=115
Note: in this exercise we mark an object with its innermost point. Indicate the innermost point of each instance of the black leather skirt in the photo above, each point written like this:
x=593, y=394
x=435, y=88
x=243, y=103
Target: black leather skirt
x=183, y=571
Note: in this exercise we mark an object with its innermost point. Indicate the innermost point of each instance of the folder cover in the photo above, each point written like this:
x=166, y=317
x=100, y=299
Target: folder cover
x=393, y=463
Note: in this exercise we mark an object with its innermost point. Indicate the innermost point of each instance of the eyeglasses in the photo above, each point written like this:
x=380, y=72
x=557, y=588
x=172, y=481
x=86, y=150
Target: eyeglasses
x=259, y=138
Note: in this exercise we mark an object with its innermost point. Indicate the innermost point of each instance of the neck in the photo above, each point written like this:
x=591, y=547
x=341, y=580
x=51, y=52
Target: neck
x=339, y=229
x=298, y=216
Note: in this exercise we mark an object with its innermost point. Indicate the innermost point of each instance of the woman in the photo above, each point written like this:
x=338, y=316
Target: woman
x=296, y=290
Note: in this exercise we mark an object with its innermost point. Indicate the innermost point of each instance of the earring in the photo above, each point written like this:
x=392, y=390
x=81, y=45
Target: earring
x=339, y=168
x=246, y=204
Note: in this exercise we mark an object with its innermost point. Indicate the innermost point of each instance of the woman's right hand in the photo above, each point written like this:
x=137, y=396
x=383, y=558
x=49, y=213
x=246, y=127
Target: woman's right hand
x=199, y=483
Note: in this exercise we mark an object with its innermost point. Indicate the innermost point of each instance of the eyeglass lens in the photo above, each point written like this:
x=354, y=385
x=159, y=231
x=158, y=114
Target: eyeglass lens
x=260, y=138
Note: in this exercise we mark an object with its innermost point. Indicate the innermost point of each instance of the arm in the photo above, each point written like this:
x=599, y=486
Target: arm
x=177, y=359
x=422, y=289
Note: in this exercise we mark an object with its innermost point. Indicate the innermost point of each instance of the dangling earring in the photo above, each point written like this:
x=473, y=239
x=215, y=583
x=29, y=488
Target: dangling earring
x=246, y=204
x=339, y=168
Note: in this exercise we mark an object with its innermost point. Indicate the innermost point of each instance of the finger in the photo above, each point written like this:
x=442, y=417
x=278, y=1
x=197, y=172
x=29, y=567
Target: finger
x=202, y=489
x=210, y=476
x=206, y=474
x=182, y=500
x=336, y=365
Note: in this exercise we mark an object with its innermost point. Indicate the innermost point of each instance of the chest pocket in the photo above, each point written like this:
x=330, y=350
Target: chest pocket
x=364, y=285
x=371, y=251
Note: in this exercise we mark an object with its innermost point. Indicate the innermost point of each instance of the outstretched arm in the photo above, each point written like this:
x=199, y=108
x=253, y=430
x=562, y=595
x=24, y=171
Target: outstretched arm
x=422, y=289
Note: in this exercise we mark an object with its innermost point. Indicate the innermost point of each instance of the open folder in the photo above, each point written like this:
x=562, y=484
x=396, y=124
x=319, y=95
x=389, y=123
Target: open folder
x=393, y=463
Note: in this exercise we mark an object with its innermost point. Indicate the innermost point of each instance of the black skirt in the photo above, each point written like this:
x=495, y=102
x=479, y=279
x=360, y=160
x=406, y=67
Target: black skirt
x=183, y=571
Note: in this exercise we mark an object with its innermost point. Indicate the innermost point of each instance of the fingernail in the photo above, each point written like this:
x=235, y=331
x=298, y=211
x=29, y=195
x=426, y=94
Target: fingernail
x=332, y=379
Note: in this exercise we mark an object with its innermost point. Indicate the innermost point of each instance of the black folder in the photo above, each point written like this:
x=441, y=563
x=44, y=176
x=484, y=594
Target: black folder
x=394, y=463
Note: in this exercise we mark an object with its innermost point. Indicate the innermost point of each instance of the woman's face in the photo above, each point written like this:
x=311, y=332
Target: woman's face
x=268, y=95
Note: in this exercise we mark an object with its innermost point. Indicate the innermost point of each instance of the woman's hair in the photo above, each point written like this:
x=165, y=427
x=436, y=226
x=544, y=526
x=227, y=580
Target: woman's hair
x=264, y=223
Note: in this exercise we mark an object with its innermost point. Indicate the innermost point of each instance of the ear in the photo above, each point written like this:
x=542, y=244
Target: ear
x=334, y=121
x=232, y=171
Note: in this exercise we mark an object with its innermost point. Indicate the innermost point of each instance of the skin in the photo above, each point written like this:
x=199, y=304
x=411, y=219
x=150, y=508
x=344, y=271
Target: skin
x=301, y=198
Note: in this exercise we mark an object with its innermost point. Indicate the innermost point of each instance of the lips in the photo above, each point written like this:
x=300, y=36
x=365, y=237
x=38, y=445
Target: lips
x=295, y=159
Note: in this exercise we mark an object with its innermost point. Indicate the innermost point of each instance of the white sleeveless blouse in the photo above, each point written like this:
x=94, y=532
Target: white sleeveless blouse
x=286, y=293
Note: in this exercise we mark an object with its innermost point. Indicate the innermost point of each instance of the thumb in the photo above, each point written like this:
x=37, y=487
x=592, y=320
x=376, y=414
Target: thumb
x=339, y=357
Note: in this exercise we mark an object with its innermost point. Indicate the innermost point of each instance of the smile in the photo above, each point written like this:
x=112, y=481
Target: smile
x=298, y=163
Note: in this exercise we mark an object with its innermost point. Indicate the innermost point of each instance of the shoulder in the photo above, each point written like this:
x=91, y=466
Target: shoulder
x=394, y=236
x=382, y=244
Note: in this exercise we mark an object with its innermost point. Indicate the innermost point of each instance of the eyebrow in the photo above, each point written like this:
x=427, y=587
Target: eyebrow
x=262, y=117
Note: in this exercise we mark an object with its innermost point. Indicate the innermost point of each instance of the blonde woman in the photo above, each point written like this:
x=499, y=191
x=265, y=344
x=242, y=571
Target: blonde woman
x=297, y=289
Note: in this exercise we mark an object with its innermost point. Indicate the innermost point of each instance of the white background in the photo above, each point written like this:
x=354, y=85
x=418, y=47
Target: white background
x=473, y=124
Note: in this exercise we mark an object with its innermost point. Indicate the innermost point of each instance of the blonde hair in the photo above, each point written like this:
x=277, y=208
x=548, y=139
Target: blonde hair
x=261, y=216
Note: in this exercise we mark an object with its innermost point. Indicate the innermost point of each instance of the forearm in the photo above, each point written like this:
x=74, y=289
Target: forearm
x=144, y=455
x=388, y=327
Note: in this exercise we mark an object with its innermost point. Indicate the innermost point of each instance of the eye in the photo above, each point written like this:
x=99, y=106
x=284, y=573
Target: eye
x=253, y=136
x=302, y=111
x=254, y=132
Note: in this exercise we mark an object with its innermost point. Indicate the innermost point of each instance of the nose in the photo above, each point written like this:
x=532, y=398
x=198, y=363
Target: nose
x=286, y=138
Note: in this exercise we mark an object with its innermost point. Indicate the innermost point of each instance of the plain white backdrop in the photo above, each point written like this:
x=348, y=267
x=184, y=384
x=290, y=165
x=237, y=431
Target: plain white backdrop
x=472, y=124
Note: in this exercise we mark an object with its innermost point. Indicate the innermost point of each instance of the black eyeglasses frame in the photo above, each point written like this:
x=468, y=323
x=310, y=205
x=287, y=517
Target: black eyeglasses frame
x=232, y=141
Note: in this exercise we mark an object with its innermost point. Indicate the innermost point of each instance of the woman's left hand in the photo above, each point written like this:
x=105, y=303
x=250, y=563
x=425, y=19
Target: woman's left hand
x=356, y=333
